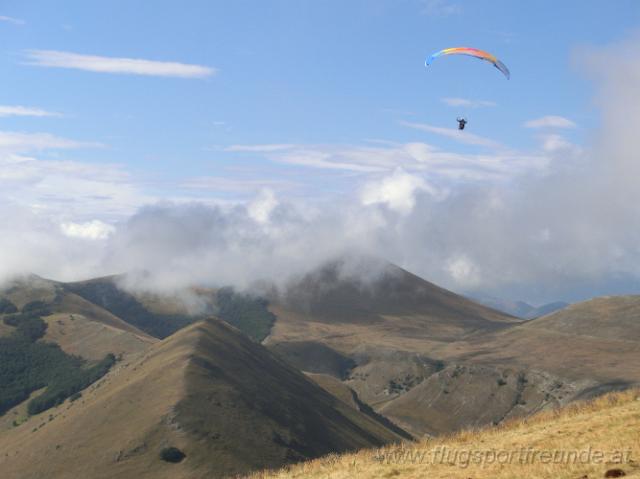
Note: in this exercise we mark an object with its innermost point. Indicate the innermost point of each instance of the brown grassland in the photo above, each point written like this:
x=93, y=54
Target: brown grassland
x=583, y=440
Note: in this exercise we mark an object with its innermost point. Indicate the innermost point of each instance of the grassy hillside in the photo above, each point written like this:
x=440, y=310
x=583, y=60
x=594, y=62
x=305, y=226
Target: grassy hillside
x=586, y=440
x=28, y=365
x=223, y=400
x=610, y=317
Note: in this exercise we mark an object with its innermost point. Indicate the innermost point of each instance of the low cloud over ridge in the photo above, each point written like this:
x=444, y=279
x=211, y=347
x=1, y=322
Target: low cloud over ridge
x=562, y=231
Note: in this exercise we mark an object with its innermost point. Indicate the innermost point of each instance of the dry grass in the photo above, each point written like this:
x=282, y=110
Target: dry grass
x=561, y=444
x=82, y=336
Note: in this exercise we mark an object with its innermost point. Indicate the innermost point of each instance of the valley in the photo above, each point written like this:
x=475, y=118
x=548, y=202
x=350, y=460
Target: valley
x=331, y=364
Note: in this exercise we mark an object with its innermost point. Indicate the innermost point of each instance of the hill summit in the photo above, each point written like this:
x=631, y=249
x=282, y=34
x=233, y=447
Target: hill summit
x=208, y=393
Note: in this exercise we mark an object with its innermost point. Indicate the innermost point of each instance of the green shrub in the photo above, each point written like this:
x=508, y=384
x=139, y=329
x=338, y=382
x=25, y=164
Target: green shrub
x=7, y=307
x=172, y=454
x=70, y=382
x=27, y=365
x=39, y=307
x=247, y=313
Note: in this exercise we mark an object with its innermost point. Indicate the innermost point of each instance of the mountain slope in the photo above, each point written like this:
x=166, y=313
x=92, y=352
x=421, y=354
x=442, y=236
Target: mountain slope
x=335, y=293
x=609, y=317
x=382, y=335
x=225, y=401
x=393, y=308
x=589, y=440
x=433, y=362
x=78, y=326
x=597, y=339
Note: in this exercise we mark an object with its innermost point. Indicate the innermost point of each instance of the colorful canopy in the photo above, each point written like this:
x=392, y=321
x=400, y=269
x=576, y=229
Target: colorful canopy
x=474, y=52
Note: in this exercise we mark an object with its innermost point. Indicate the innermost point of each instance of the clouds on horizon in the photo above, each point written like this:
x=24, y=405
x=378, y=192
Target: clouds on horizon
x=544, y=220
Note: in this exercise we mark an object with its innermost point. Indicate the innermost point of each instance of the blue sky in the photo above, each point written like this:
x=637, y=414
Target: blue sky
x=293, y=100
x=296, y=72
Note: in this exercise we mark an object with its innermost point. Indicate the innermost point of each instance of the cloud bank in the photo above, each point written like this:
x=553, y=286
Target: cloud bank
x=560, y=222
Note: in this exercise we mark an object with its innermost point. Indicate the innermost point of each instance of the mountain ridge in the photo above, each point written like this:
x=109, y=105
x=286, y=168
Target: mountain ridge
x=206, y=390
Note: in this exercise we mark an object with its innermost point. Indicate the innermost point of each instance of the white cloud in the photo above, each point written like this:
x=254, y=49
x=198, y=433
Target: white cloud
x=235, y=185
x=260, y=208
x=60, y=59
x=91, y=230
x=68, y=189
x=550, y=121
x=433, y=163
x=441, y=8
x=61, y=187
x=221, y=183
x=397, y=191
x=328, y=158
x=15, y=21
x=460, y=136
x=6, y=110
x=464, y=102
x=31, y=242
x=464, y=272
x=19, y=142
x=554, y=143
x=259, y=148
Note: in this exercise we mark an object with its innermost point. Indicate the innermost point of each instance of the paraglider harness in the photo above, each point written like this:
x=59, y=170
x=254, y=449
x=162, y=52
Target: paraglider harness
x=461, y=123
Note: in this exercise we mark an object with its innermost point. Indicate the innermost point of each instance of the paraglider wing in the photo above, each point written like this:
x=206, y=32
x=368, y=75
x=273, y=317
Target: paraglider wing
x=503, y=68
x=473, y=52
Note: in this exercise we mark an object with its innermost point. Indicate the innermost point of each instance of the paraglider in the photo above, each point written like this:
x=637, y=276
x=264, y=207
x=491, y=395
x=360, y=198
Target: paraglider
x=473, y=52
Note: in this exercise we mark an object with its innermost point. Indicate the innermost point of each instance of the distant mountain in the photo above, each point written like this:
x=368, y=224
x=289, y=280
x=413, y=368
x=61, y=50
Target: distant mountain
x=334, y=294
x=519, y=309
x=416, y=353
x=548, y=309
